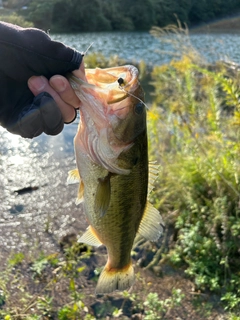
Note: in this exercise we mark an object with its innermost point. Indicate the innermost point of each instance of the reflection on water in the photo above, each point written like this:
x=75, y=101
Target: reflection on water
x=39, y=167
x=26, y=162
x=136, y=46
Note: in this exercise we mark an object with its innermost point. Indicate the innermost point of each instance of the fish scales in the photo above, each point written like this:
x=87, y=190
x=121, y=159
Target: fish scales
x=112, y=168
x=118, y=227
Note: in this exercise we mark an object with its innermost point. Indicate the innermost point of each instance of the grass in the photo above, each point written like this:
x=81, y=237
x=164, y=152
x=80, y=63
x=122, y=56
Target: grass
x=52, y=287
x=194, y=130
x=35, y=295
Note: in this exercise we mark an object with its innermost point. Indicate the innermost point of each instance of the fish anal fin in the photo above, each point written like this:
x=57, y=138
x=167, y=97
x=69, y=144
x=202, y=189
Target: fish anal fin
x=103, y=195
x=80, y=193
x=115, y=279
x=151, y=226
x=89, y=237
x=73, y=176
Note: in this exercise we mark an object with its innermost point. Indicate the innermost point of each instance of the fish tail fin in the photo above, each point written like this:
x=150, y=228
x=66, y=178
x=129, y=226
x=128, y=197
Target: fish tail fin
x=115, y=279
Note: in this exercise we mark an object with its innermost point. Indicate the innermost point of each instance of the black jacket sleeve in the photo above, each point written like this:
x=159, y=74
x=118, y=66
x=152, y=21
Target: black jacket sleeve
x=24, y=53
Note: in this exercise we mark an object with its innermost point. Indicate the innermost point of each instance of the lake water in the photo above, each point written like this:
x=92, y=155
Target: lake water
x=44, y=161
x=136, y=46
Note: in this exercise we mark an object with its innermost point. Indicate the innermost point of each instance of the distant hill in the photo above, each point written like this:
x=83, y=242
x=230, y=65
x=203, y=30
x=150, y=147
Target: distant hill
x=224, y=25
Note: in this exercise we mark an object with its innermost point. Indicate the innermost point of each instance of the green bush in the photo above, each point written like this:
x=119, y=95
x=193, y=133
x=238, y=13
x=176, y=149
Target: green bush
x=194, y=128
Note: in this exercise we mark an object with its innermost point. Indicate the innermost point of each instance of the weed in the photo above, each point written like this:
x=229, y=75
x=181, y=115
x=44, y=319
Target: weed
x=153, y=307
x=156, y=309
x=16, y=259
x=194, y=130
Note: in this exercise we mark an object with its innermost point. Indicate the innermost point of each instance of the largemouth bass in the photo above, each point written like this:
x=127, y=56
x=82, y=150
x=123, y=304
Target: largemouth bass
x=114, y=176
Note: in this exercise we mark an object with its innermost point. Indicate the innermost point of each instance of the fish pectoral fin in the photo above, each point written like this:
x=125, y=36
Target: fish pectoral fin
x=151, y=226
x=103, y=195
x=73, y=176
x=117, y=279
x=80, y=194
x=89, y=237
x=153, y=170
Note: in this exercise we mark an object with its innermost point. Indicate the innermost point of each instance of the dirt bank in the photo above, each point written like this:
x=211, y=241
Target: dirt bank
x=231, y=25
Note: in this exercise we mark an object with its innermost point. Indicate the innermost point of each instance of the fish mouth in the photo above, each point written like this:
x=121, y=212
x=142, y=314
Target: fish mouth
x=112, y=84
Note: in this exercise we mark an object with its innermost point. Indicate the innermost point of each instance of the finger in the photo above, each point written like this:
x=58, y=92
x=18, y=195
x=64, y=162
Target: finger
x=61, y=85
x=41, y=84
x=80, y=73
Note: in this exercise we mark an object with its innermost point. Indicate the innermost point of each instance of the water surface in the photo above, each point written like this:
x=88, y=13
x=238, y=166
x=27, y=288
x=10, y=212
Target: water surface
x=136, y=46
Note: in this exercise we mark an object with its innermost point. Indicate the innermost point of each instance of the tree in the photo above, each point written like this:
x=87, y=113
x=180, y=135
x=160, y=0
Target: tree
x=167, y=12
x=40, y=13
x=80, y=15
x=125, y=15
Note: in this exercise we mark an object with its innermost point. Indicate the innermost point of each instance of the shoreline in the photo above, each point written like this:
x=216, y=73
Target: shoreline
x=229, y=25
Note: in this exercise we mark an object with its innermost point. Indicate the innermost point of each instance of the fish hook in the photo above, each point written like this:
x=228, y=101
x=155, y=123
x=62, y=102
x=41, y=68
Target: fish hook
x=83, y=53
x=121, y=82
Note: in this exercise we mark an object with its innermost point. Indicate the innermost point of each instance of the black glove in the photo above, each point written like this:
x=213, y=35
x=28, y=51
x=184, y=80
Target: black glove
x=43, y=115
x=24, y=53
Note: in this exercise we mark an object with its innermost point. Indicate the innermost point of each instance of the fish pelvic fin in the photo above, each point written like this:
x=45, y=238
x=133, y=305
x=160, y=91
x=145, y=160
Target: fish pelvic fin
x=80, y=193
x=73, y=176
x=103, y=195
x=151, y=226
x=90, y=238
x=115, y=279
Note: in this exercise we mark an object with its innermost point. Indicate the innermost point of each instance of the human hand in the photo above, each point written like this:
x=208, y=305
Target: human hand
x=61, y=91
x=35, y=96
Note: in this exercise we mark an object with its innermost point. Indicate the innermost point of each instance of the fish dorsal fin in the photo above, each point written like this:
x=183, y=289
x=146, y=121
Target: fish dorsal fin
x=89, y=237
x=153, y=171
x=80, y=193
x=103, y=195
x=151, y=226
x=73, y=176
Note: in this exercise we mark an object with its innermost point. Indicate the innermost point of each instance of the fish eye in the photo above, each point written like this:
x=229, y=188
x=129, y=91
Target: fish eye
x=139, y=107
x=120, y=81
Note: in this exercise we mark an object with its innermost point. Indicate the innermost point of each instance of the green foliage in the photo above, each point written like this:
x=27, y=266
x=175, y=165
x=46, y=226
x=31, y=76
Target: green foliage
x=124, y=15
x=50, y=272
x=194, y=130
x=80, y=15
x=203, y=11
x=156, y=308
x=16, y=259
x=40, y=13
x=44, y=305
x=2, y=298
x=71, y=312
x=14, y=18
x=39, y=265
